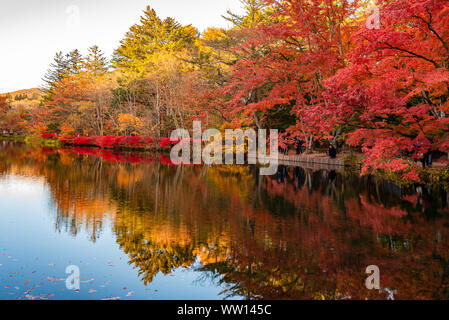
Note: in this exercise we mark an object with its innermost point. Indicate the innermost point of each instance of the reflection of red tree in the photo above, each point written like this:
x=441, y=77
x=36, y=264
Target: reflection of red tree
x=110, y=155
x=114, y=141
x=268, y=239
x=404, y=244
x=374, y=216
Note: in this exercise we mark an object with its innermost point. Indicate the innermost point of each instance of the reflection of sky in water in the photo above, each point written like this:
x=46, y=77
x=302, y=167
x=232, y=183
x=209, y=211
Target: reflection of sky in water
x=33, y=256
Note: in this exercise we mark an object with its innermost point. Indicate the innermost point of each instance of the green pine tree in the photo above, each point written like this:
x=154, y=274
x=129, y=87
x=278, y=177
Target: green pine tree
x=254, y=13
x=56, y=72
x=149, y=37
x=96, y=63
x=75, y=62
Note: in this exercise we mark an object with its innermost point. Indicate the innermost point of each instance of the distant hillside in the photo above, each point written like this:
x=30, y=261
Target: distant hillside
x=23, y=99
x=24, y=94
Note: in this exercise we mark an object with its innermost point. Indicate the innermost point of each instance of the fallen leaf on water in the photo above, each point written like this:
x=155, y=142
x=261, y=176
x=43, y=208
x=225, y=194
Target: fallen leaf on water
x=54, y=280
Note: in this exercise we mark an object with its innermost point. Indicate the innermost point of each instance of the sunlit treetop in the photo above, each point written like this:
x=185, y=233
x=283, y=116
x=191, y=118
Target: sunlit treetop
x=147, y=38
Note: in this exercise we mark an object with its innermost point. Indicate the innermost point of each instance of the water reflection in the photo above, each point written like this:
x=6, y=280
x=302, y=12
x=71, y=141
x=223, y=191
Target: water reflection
x=300, y=234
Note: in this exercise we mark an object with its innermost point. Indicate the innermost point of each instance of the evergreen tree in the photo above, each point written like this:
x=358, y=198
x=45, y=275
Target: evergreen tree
x=75, y=62
x=56, y=72
x=96, y=63
x=253, y=15
x=151, y=36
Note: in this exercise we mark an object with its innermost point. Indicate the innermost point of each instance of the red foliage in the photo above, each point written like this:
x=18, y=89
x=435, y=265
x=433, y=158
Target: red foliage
x=48, y=150
x=168, y=142
x=387, y=89
x=110, y=155
x=117, y=142
x=287, y=63
x=110, y=142
x=67, y=140
x=86, y=141
x=87, y=151
x=48, y=136
x=166, y=160
x=396, y=87
x=3, y=104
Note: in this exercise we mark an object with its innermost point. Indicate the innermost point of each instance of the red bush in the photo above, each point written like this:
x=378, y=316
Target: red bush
x=48, y=136
x=66, y=140
x=86, y=141
x=111, y=142
x=108, y=141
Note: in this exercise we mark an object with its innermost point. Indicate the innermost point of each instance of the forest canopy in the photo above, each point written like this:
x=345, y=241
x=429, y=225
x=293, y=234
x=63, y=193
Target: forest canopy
x=313, y=69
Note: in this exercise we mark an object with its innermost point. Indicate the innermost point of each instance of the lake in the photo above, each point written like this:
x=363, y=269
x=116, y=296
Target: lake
x=139, y=227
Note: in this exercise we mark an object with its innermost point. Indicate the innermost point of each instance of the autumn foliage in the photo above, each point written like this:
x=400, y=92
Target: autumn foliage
x=114, y=141
x=315, y=70
x=395, y=89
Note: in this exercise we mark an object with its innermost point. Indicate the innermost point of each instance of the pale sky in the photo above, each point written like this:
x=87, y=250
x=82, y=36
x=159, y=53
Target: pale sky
x=32, y=31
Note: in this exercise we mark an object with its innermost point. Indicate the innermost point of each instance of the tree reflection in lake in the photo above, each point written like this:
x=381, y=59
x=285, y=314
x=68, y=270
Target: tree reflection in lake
x=300, y=234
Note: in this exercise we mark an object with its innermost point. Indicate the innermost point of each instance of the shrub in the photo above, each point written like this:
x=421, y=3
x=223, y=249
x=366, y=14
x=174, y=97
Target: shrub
x=48, y=136
x=112, y=142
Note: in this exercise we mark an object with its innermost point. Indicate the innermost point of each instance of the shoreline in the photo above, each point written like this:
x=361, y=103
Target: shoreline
x=437, y=174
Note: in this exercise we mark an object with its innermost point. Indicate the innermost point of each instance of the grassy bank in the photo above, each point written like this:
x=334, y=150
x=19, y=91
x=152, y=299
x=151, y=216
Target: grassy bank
x=13, y=138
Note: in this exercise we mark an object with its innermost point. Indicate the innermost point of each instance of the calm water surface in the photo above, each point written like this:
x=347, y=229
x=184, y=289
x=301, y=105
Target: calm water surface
x=141, y=228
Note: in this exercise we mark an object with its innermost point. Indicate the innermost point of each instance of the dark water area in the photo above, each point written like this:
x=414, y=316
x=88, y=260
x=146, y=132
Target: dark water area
x=139, y=227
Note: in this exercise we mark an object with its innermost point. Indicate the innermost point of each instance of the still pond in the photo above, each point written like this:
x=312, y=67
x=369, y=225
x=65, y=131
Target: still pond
x=139, y=227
